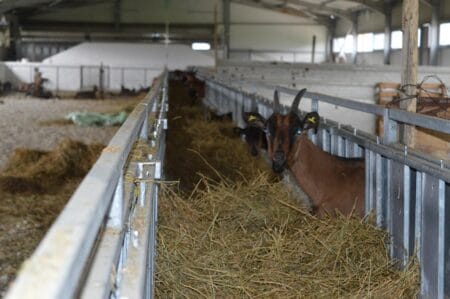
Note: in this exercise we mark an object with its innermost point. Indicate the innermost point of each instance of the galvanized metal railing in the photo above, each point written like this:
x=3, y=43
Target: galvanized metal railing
x=408, y=192
x=102, y=245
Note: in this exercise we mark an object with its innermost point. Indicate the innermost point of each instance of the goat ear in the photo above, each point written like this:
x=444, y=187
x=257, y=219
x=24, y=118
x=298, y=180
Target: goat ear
x=311, y=121
x=276, y=102
x=254, y=119
x=296, y=102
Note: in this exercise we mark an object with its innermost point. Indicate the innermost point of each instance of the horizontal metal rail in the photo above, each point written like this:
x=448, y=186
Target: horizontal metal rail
x=89, y=243
x=408, y=192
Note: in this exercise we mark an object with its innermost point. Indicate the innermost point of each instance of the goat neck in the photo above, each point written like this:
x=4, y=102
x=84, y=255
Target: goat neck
x=332, y=183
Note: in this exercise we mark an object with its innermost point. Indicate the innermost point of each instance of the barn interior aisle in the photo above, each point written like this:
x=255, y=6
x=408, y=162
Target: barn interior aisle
x=230, y=229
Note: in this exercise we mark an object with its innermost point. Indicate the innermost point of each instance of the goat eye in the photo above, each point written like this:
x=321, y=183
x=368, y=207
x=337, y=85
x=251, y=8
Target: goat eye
x=298, y=131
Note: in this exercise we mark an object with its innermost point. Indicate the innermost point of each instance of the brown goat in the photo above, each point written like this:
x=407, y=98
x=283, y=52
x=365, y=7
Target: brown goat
x=332, y=183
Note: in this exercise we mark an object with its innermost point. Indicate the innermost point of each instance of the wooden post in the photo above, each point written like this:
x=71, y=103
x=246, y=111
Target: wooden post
x=410, y=18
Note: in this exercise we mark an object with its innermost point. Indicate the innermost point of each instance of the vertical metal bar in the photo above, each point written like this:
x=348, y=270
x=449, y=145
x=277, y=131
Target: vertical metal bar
x=430, y=238
x=334, y=142
x=406, y=213
x=81, y=77
x=348, y=149
x=152, y=242
x=446, y=196
x=341, y=146
x=380, y=194
x=441, y=240
x=390, y=128
x=356, y=150
x=315, y=105
x=395, y=209
x=122, y=77
x=57, y=79
x=418, y=216
x=325, y=141
x=367, y=193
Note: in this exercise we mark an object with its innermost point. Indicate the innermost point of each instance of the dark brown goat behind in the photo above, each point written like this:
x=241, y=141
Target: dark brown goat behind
x=332, y=183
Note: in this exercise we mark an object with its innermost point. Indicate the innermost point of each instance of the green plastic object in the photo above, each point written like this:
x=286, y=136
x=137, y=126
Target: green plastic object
x=89, y=119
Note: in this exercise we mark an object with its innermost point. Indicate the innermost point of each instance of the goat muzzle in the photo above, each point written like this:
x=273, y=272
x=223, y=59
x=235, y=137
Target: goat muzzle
x=278, y=161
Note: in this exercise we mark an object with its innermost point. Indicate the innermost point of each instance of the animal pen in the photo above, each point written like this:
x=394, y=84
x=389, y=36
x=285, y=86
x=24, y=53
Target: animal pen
x=103, y=245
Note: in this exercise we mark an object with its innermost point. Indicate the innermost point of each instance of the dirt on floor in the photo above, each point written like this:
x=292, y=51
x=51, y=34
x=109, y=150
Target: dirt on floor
x=43, y=160
x=40, y=124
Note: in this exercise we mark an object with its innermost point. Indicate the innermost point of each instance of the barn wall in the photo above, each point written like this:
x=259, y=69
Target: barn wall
x=355, y=82
x=131, y=65
x=265, y=34
x=370, y=21
x=262, y=35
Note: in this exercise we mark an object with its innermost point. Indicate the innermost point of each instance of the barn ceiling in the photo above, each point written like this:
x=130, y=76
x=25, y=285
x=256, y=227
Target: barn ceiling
x=318, y=10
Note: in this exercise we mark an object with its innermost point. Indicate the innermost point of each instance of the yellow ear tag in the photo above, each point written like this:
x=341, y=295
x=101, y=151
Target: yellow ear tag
x=312, y=120
x=252, y=118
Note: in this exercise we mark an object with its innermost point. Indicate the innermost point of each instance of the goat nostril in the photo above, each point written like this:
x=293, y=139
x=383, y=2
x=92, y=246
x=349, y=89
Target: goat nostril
x=278, y=156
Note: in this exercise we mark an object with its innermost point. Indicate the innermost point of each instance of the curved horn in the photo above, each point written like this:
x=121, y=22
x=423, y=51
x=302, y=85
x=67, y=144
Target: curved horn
x=296, y=102
x=276, y=102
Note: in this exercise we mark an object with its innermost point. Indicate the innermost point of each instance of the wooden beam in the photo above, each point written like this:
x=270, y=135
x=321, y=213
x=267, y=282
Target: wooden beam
x=410, y=22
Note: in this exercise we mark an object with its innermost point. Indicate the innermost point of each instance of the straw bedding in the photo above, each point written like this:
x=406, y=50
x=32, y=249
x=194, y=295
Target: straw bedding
x=34, y=187
x=232, y=230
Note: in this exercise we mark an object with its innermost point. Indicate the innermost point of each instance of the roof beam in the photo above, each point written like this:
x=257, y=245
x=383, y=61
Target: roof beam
x=376, y=6
x=320, y=9
x=282, y=9
x=7, y=5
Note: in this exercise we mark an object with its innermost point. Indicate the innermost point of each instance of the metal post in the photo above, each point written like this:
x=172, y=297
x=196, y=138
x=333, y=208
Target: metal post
x=226, y=32
x=313, y=51
x=81, y=77
x=390, y=129
x=387, y=31
x=355, y=36
x=434, y=31
x=57, y=79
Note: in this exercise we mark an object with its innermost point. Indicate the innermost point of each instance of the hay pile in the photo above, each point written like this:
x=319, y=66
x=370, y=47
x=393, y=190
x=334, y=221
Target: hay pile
x=34, y=187
x=251, y=239
x=32, y=171
x=238, y=232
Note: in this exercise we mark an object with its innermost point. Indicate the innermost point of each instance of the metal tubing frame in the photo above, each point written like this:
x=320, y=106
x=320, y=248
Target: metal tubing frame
x=62, y=261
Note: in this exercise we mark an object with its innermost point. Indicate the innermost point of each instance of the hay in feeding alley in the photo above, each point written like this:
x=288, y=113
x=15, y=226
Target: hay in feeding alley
x=242, y=234
x=34, y=188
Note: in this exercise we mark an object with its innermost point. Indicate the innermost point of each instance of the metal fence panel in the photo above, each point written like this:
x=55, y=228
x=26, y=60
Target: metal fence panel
x=407, y=190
